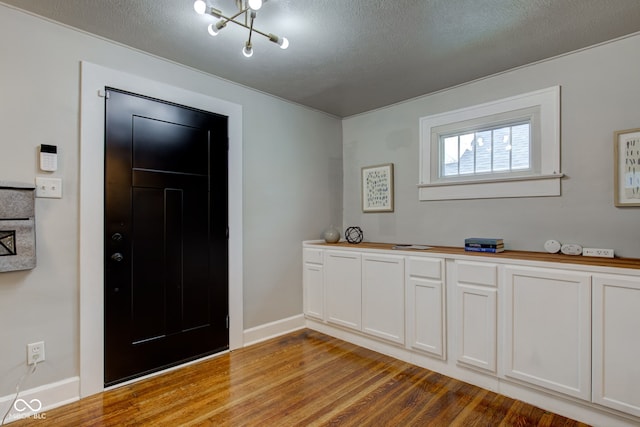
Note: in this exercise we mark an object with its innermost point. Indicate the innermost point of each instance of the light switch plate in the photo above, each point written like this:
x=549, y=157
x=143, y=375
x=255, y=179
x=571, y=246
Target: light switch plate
x=48, y=187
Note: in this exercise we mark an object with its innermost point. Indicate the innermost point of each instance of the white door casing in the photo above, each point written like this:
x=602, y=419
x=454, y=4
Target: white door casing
x=94, y=78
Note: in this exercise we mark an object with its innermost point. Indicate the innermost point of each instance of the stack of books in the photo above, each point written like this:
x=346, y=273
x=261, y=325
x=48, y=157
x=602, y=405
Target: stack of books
x=483, y=244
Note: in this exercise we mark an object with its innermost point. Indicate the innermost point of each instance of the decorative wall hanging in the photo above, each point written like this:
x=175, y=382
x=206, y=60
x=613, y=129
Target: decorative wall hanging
x=626, y=150
x=17, y=227
x=377, y=188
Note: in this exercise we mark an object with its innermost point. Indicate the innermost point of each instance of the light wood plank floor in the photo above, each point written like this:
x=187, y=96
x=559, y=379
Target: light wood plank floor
x=301, y=379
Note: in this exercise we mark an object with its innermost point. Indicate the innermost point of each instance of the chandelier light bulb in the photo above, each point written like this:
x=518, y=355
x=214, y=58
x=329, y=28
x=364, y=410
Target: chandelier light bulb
x=255, y=4
x=200, y=7
x=215, y=29
x=247, y=50
x=280, y=41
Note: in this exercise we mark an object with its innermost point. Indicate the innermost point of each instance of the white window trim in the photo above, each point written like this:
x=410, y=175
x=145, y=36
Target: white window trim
x=545, y=181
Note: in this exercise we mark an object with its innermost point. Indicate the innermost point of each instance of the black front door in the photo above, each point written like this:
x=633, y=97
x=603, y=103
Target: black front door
x=166, y=246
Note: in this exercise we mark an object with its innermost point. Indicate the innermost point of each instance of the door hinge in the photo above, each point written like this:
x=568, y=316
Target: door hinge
x=227, y=321
x=227, y=232
x=103, y=93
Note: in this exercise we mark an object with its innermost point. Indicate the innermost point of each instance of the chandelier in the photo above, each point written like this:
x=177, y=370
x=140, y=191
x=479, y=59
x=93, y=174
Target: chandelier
x=247, y=8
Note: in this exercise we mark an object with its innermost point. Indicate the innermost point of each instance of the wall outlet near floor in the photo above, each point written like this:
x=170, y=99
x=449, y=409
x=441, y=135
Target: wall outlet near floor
x=35, y=352
x=604, y=253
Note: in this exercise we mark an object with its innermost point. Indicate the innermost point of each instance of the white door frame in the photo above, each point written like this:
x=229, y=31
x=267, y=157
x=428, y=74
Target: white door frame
x=93, y=81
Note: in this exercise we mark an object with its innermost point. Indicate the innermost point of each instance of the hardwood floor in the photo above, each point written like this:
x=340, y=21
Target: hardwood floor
x=301, y=379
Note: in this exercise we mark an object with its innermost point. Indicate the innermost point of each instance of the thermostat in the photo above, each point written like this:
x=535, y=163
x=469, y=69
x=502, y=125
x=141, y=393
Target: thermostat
x=48, y=157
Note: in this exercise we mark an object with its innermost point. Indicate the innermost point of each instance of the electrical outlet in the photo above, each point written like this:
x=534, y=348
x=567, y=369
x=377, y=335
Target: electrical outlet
x=604, y=253
x=35, y=352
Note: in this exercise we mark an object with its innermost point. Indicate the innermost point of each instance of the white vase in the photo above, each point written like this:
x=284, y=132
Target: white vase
x=331, y=234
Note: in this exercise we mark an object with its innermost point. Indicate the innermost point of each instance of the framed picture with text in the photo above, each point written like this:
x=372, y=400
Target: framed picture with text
x=626, y=148
x=377, y=188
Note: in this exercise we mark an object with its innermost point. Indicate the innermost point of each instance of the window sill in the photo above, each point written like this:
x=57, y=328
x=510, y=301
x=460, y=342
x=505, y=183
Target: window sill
x=526, y=186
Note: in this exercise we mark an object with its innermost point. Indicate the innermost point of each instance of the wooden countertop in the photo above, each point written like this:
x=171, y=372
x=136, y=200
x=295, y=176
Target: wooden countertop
x=522, y=255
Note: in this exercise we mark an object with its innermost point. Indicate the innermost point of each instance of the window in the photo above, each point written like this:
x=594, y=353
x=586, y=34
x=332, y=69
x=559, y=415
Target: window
x=504, y=148
x=507, y=148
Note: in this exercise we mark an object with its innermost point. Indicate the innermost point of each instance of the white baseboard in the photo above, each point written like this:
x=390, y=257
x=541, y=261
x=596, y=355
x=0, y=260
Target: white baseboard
x=273, y=329
x=34, y=403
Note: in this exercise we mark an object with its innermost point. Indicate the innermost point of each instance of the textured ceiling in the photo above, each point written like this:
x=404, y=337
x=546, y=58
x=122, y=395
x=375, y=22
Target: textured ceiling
x=351, y=56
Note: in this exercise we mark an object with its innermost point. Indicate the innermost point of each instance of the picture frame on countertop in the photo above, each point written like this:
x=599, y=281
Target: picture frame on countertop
x=377, y=188
x=626, y=148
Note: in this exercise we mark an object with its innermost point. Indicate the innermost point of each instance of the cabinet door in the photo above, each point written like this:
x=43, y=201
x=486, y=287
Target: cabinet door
x=476, y=314
x=476, y=323
x=383, y=296
x=425, y=316
x=425, y=302
x=313, y=282
x=313, y=279
x=548, y=329
x=616, y=347
x=342, y=280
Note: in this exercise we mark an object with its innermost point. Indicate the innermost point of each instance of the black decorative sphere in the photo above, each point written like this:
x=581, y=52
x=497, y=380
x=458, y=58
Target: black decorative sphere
x=353, y=234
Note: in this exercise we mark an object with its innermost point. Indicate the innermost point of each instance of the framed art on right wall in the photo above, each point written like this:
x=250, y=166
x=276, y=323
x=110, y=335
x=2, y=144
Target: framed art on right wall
x=626, y=148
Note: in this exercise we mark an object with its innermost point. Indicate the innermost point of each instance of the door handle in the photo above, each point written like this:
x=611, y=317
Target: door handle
x=117, y=257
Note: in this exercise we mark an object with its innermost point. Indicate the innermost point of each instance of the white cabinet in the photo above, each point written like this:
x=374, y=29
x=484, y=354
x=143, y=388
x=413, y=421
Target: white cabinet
x=343, y=288
x=425, y=302
x=553, y=328
x=476, y=314
x=616, y=343
x=313, y=283
x=548, y=328
x=383, y=296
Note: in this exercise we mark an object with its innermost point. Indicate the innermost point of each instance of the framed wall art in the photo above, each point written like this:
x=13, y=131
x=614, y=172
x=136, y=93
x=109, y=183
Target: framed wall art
x=377, y=188
x=626, y=148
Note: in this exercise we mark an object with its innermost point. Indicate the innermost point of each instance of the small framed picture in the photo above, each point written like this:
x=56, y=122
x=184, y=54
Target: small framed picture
x=626, y=148
x=377, y=188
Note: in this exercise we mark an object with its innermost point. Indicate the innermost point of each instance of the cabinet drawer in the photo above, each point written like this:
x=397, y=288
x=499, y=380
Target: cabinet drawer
x=425, y=267
x=312, y=255
x=477, y=273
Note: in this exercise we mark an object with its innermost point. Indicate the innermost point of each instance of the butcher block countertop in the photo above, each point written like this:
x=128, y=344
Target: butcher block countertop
x=616, y=262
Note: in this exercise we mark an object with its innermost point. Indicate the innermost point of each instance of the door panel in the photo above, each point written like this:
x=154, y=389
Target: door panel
x=147, y=297
x=159, y=145
x=166, y=278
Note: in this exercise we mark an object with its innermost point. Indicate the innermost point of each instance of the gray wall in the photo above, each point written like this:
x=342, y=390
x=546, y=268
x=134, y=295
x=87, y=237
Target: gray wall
x=599, y=95
x=292, y=185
